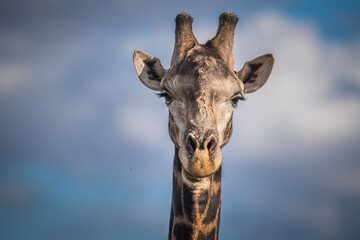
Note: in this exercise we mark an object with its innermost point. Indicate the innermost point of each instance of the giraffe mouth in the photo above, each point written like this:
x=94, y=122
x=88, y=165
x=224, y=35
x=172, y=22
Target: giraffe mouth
x=195, y=184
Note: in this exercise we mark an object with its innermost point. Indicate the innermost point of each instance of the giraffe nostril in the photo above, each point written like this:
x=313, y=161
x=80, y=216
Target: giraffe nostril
x=211, y=144
x=192, y=143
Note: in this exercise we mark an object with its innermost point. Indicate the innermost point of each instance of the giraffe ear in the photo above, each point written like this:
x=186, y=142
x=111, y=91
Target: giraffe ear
x=255, y=73
x=149, y=70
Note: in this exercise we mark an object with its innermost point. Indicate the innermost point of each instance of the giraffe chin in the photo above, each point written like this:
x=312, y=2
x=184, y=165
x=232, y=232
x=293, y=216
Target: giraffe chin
x=200, y=164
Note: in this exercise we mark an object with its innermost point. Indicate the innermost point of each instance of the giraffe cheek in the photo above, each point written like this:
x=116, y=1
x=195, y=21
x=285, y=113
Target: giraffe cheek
x=226, y=134
x=176, y=124
x=224, y=126
x=175, y=132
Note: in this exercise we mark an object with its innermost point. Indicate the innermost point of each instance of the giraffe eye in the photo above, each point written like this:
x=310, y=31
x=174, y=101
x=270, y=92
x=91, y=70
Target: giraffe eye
x=167, y=97
x=235, y=100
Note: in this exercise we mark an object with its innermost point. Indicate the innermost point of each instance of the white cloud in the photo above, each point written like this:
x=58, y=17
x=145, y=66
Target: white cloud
x=158, y=43
x=11, y=76
x=39, y=63
x=142, y=125
x=300, y=102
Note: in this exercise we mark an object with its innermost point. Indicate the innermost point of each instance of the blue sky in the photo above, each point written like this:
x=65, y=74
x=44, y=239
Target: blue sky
x=84, y=148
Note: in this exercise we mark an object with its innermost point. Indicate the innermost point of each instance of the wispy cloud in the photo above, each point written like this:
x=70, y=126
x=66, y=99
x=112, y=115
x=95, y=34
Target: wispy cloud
x=142, y=125
x=301, y=101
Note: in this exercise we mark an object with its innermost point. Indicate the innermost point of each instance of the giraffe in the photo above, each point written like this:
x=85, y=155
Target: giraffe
x=201, y=90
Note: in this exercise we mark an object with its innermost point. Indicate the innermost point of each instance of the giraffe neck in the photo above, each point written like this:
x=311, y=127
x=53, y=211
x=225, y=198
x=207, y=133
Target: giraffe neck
x=195, y=208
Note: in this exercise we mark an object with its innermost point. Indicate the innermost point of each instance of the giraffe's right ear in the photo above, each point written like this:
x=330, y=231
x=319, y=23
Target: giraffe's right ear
x=149, y=70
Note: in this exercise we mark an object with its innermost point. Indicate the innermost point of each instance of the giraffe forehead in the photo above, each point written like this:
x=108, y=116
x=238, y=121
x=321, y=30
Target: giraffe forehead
x=205, y=92
x=199, y=73
x=203, y=87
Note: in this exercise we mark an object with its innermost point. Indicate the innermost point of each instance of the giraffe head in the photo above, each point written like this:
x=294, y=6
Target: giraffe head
x=201, y=90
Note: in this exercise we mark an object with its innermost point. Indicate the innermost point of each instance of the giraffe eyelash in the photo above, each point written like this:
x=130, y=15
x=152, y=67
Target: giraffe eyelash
x=167, y=97
x=163, y=94
x=235, y=99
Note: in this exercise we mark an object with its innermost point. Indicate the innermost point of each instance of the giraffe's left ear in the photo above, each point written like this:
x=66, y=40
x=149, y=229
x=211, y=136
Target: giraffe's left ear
x=255, y=73
x=149, y=70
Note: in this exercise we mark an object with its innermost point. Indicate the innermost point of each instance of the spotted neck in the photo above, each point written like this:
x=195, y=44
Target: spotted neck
x=195, y=208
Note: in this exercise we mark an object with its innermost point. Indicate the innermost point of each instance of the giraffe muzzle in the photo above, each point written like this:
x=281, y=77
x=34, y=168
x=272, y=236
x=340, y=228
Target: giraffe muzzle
x=200, y=158
x=193, y=145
